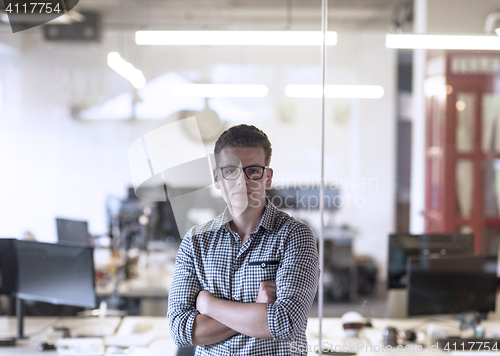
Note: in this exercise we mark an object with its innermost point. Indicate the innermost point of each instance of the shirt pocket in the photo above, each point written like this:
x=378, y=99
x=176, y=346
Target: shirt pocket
x=259, y=271
x=266, y=269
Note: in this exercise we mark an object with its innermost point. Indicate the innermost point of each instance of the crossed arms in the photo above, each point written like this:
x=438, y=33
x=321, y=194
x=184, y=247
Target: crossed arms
x=220, y=319
x=198, y=318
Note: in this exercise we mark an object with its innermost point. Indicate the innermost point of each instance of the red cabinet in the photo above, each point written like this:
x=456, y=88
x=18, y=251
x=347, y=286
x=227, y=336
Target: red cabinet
x=462, y=91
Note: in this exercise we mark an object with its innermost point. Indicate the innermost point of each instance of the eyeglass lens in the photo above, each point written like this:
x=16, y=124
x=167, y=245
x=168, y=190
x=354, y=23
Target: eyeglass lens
x=252, y=173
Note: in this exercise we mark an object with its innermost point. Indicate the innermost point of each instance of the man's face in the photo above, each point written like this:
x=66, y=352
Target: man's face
x=243, y=192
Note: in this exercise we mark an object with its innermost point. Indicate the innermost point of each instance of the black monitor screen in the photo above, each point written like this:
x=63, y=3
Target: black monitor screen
x=57, y=274
x=306, y=198
x=8, y=271
x=451, y=285
x=72, y=232
x=402, y=246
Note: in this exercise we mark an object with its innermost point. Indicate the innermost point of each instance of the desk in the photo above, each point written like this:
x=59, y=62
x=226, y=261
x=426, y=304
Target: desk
x=162, y=344
x=371, y=338
x=152, y=291
x=78, y=326
x=150, y=287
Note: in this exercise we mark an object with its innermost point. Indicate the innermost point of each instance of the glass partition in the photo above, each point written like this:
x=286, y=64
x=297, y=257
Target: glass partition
x=87, y=111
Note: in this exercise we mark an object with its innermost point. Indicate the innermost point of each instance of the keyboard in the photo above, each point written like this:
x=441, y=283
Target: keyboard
x=469, y=344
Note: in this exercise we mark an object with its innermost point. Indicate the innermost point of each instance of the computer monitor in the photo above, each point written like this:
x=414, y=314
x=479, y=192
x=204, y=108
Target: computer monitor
x=450, y=285
x=53, y=273
x=72, y=232
x=8, y=270
x=403, y=245
x=57, y=274
x=306, y=198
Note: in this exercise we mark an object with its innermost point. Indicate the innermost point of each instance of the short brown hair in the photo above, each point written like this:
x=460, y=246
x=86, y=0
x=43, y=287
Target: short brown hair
x=244, y=136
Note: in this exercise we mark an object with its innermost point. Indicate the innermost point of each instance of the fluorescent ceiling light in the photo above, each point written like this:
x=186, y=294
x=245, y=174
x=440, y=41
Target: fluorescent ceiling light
x=443, y=42
x=235, y=38
x=335, y=91
x=126, y=70
x=219, y=90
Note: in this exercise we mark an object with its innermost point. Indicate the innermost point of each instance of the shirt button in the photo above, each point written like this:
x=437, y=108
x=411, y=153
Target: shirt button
x=263, y=265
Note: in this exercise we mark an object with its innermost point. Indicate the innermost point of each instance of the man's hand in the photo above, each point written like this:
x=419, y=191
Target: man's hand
x=245, y=318
x=202, y=301
x=267, y=292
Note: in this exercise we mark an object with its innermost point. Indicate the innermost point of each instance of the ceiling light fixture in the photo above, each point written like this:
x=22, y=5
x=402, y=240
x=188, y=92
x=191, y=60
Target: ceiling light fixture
x=442, y=42
x=219, y=90
x=492, y=23
x=126, y=70
x=335, y=91
x=235, y=38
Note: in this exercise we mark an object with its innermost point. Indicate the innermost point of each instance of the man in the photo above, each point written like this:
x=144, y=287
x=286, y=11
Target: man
x=245, y=281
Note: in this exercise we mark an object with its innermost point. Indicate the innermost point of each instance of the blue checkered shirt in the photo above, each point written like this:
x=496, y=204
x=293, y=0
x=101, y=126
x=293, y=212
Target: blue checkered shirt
x=212, y=258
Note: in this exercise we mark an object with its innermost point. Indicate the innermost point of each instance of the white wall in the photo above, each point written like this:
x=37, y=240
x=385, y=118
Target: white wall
x=459, y=16
x=366, y=150
x=54, y=166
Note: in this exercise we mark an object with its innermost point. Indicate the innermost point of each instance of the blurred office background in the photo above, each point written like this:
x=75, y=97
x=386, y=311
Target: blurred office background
x=67, y=120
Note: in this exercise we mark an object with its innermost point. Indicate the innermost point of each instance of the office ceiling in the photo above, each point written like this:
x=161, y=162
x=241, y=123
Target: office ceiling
x=249, y=14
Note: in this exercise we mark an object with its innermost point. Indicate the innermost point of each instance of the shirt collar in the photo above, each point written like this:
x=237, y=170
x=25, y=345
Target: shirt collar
x=267, y=220
x=270, y=212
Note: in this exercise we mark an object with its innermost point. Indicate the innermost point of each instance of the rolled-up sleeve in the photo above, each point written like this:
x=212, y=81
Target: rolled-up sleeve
x=182, y=295
x=296, y=282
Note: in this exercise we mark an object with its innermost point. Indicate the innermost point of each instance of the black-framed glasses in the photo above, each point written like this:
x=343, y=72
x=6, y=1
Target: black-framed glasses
x=252, y=172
